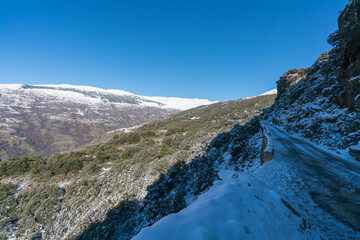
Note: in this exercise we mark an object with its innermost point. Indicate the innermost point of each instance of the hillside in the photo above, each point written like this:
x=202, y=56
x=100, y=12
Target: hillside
x=62, y=195
x=45, y=119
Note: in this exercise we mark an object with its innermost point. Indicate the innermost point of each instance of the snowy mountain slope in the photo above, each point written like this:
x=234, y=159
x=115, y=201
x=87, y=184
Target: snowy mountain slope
x=45, y=119
x=93, y=95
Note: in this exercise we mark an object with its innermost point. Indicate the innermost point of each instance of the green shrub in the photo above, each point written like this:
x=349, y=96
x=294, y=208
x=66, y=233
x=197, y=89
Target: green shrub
x=293, y=71
x=148, y=134
x=164, y=150
x=92, y=167
x=172, y=131
x=129, y=152
x=18, y=166
x=7, y=190
x=40, y=202
x=133, y=138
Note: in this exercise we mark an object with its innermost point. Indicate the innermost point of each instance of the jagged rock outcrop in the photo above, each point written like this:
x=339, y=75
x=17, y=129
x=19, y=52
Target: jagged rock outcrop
x=349, y=35
x=325, y=105
x=289, y=78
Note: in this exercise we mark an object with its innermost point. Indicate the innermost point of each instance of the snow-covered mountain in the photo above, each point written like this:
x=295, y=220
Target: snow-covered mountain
x=44, y=119
x=93, y=95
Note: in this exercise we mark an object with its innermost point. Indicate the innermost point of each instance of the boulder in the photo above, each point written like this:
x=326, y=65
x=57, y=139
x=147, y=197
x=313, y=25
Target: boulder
x=354, y=151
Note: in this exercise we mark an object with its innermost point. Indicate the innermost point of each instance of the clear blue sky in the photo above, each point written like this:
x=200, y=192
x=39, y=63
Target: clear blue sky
x=217, y=50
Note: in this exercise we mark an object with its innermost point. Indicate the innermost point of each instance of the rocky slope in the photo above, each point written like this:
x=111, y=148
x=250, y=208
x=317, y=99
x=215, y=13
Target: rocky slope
x=349, y=42
x=42, y=120
x=323, y=105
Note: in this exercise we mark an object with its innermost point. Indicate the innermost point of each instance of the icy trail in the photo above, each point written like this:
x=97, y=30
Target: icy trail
x=322, y=186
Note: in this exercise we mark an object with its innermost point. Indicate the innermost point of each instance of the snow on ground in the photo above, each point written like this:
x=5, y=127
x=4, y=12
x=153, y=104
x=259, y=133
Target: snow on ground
x=344, y=153
x=86, y=88
x=126, y=130
x=356, y=147
x=194, y=118
x=271, y=92
x=318, y=183
x=240, y=206
x=290, y=197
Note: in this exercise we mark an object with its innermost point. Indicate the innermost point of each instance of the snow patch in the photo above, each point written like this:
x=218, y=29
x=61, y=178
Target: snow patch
x=354, y=78
x=180, y=103
x=356, y=147
x=194, y=118
x=271, y=92
x=236, y=207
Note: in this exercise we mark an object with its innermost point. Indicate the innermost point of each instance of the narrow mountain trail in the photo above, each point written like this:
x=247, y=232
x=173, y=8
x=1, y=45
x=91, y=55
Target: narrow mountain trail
x=323, y=187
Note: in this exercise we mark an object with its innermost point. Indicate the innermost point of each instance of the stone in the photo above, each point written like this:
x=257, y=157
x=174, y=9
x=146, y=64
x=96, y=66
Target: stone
x=354, y=153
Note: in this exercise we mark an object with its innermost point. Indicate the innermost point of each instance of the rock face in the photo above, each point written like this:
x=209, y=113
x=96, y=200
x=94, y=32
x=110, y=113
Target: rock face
x=349, y=34
x=324, y=105
x=289, y=78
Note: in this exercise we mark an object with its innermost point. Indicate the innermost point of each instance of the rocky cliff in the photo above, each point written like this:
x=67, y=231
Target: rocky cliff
x=323, y=104
x=289, y=79
x=349, y=72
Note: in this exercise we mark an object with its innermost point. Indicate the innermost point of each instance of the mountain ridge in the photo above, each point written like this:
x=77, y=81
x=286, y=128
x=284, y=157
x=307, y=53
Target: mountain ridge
x=45, y=119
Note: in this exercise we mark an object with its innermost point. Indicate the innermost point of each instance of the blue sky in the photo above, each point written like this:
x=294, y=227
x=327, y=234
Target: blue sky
x=219, y=50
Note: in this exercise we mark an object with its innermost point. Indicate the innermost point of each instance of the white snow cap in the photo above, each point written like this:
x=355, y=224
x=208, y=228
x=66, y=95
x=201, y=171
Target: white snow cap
x=66, y=92
x=10, y=86
x=271, y=92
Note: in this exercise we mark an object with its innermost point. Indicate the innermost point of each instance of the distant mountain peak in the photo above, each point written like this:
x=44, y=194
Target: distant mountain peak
x=271, y=92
